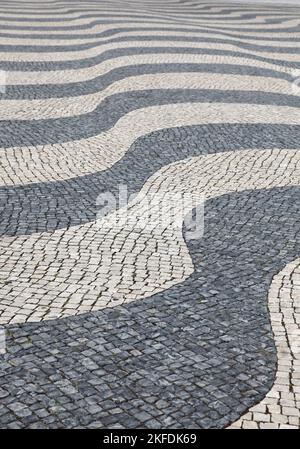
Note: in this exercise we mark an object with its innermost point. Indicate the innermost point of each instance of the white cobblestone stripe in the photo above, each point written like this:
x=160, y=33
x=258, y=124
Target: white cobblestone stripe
x=185, y=104
x=173, y=31
x=68, y=7
x=85, y=156
x=87, y=19
x=96, y=52
x=280, y=409
x=79, y=75
x=109, y=10
x=51, y=8
x=83, y=104
x=112, y=29
x=81, y=17
x=115, y=248
x=287, y=24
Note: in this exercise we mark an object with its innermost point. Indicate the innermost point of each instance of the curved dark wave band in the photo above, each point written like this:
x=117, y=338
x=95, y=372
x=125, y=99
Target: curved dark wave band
x=197, y=355
x=99, y=83
x=86, y=46
x=111, y=32
x=111, y=109
x=48, y=206
x=167, y=20
x=109, y=54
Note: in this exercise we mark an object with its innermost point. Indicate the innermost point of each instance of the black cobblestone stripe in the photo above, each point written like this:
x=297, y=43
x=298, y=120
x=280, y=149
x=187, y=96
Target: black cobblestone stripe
x=112, y=108
x=108, y=33
x=163, y=18
x=110, y=54
x=85, y=46
x=56, y=5
x=99, y=83
x=170, y=21
x=196, y=355
x=87, y=11
x=149, y=15
x=48, y=206
x=200, y=353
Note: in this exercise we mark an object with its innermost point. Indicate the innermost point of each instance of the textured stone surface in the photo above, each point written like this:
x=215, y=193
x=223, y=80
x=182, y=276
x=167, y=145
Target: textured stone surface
x=280, y=408
x=136, y=251
x=195, y=355
x=125, y=320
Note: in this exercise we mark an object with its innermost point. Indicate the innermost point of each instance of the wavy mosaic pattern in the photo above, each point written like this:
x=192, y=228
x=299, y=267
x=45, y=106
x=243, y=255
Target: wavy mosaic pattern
x=124, y=320
x=280, y=408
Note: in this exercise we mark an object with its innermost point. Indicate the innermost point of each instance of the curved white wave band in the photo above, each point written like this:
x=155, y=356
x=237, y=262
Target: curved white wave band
x=88, y=73
x=82, y=55
x=280, y=407
x=86, y=156
x=108, y=11
x=105, y=27
x=288, y=20
x=101, y=264
x=83, y=104
x=119, y=35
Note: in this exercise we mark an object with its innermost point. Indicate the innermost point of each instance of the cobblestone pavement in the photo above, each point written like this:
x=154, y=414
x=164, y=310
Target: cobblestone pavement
x=131, y=319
